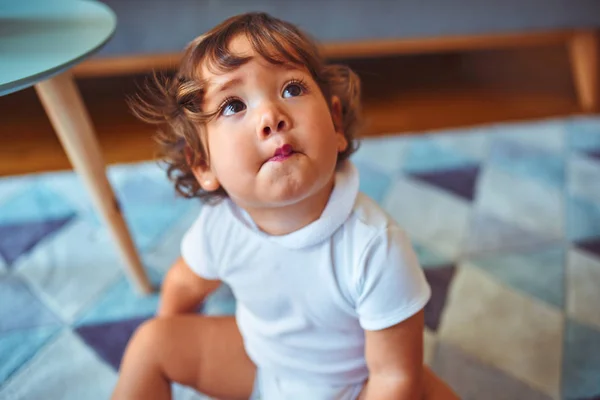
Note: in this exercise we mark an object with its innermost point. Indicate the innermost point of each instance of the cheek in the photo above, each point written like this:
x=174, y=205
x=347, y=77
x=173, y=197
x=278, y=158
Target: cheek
x=231, y=151
x=320, y=125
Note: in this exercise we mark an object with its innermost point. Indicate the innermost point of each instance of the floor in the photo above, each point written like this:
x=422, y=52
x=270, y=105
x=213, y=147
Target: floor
x=505, y=219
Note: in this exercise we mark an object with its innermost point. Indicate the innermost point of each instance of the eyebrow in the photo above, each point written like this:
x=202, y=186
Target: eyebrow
x=238, y=81
x=227, y=85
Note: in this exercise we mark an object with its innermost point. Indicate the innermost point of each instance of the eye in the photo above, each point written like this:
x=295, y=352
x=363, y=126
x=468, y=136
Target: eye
x=294, y=89
x=232, y=107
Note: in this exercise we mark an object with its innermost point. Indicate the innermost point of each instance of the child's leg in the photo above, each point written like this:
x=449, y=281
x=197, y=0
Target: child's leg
x=206, y=353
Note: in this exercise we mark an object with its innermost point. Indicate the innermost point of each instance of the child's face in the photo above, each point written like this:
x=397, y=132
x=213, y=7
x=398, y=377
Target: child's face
x=273, y=142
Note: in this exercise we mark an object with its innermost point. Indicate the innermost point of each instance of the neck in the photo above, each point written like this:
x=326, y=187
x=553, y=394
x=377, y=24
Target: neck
x=279, y=221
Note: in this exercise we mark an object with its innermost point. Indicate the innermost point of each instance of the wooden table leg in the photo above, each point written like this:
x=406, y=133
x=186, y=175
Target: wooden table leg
x=63, y=104
x=584, y=53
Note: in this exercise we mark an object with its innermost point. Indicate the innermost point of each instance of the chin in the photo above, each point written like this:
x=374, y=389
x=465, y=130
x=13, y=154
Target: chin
x=287, y=186
x=288, y=196
x=289, y=192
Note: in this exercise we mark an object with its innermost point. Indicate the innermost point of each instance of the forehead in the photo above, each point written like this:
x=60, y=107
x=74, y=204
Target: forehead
x=241, y=47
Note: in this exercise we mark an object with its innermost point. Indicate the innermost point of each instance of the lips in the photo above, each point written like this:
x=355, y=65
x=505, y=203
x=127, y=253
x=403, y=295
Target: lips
x=282, y=153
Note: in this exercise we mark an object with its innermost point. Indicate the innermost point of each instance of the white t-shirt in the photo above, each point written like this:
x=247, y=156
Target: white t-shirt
x=304, y=299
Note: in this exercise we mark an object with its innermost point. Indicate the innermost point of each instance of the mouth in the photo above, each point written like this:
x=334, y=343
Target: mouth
x=282, y=153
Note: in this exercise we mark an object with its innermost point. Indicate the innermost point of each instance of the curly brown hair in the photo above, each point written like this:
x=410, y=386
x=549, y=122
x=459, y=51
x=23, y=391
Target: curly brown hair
x=174, y=103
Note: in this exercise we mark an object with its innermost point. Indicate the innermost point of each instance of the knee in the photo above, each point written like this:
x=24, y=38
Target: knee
x=147, y=338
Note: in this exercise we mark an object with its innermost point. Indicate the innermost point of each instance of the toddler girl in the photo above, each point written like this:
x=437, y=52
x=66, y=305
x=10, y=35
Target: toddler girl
x=329, y=293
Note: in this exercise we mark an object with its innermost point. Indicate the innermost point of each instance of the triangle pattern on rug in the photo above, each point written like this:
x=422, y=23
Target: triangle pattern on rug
x=439, y=279
x=528, y=161
x=143, y=190
x=120, y=302
x=424, y=155
x=594, y=154
x=472, y=378
x=584, y=135
x=23, y=309
x=36, y=202
x=597, y=397
x=17, y=239
x=373, y=183
x=429, y=258
x=581, y=361
x=109, y=340
x=460, y=181
x=591, y=246
x=490, y=233
x=16, y=348
x=66, y=369
x=539, y=273
x=582, y=219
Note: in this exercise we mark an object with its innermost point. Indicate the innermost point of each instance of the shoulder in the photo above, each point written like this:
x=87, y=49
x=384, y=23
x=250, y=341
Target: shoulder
x=370, y=234
x=204, y=244
x=212, y=216
x=368, y=220
x=369, y=213
x=210, y=226
x=378, y=240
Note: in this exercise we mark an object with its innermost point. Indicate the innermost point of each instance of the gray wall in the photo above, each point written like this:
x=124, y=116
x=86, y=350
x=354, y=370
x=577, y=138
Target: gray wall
x=155, y=26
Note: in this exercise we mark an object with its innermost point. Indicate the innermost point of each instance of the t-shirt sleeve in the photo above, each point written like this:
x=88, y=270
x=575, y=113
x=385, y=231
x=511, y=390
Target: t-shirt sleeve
x=391, y=285
x=195, y=248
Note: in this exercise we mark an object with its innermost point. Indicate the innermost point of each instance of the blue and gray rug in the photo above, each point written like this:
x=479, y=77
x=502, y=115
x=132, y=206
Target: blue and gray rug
x=505, y=219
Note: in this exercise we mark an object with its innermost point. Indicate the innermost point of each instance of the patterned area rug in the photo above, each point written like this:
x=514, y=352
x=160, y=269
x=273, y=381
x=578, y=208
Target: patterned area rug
x=505, y=219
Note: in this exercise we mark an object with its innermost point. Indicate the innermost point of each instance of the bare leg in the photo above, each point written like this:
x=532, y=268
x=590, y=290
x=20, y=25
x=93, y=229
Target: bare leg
x=205, y=353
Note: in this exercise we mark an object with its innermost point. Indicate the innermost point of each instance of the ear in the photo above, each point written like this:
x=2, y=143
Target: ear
x=206, y=178
x=202, y=172
x=336, y=114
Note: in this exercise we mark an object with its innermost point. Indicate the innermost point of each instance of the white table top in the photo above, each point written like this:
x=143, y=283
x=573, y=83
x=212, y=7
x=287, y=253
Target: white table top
x=42, y=38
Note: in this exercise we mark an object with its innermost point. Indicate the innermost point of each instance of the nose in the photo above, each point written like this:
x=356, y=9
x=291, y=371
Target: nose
x=272, y=120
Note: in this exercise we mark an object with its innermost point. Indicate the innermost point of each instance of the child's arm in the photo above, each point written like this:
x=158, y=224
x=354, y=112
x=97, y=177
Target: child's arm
x=183, y=290
x=395, y=360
